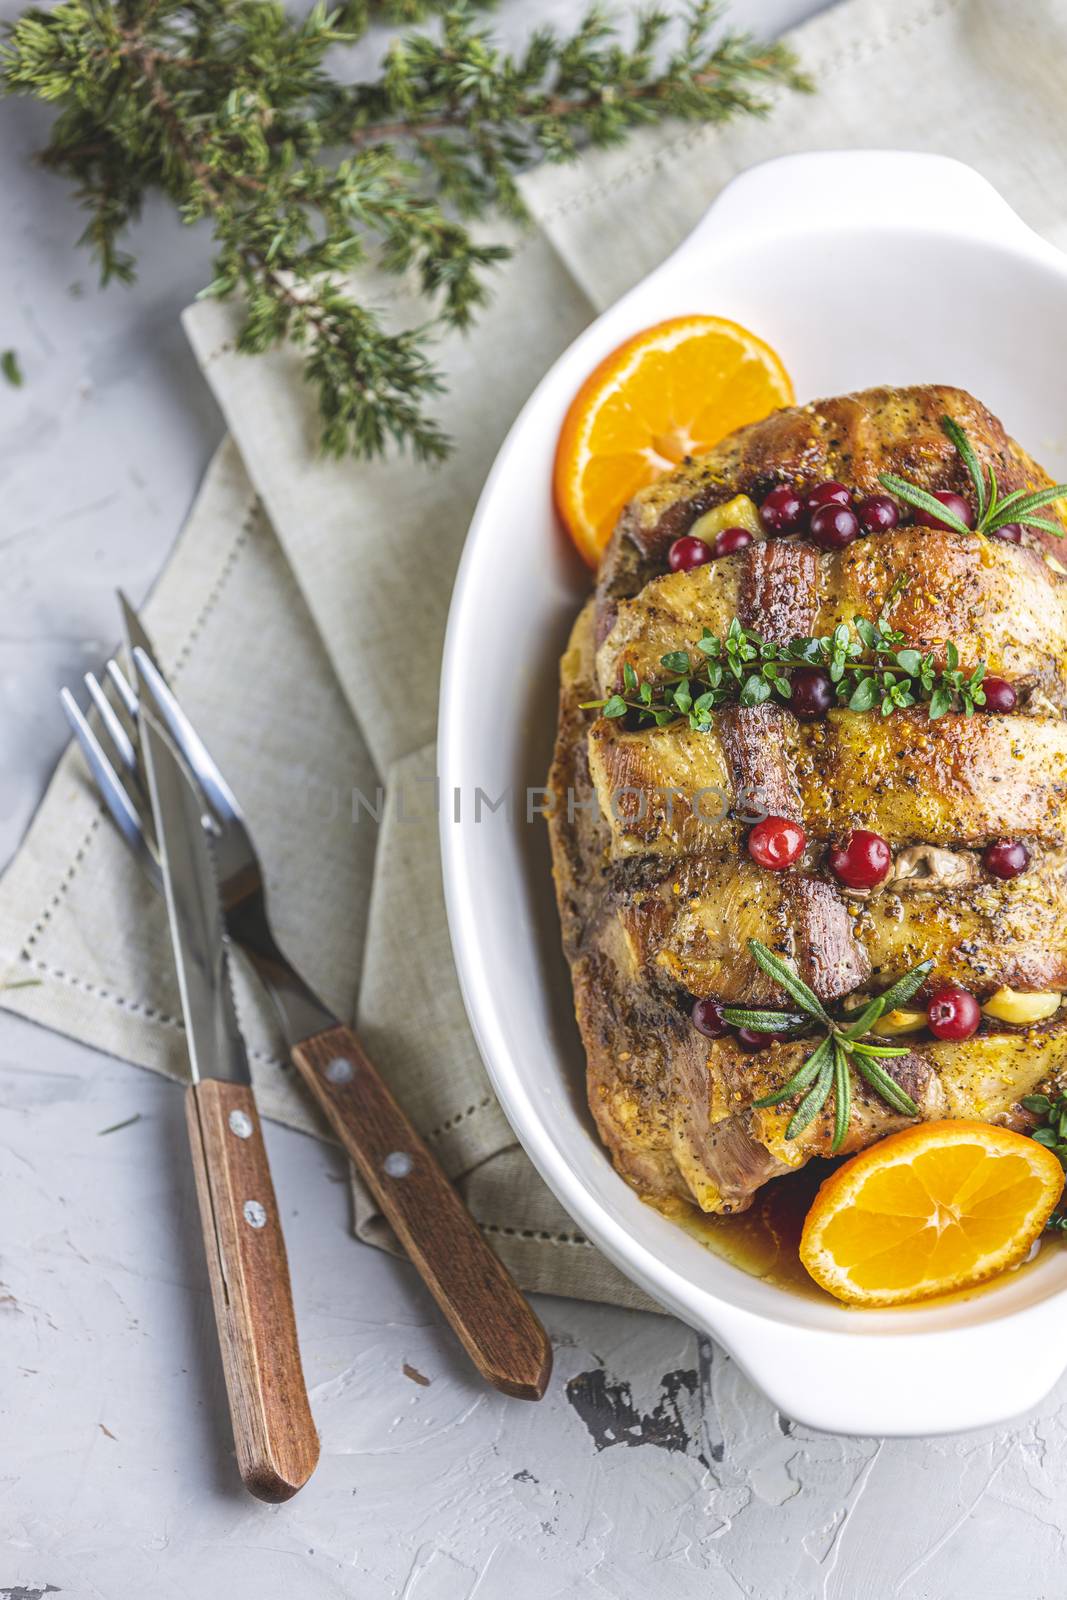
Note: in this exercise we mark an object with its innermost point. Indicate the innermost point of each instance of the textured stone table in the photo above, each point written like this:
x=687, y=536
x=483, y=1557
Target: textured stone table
x=651, y=1471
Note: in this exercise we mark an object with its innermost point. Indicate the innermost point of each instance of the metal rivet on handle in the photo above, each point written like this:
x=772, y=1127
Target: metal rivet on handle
x=397, y=1164
x=339, y=1070
x=240, y=1124
x=255, y=1215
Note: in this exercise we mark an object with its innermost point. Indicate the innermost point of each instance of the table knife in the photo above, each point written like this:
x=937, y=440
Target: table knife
x=492, y=1318
x=277, y=1446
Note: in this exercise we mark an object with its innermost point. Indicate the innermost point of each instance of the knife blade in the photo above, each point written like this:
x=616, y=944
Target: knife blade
x=274, y=1433
x=194, y=911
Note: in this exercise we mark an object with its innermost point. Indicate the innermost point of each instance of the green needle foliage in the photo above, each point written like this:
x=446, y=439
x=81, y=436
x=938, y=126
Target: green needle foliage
x=231, y=108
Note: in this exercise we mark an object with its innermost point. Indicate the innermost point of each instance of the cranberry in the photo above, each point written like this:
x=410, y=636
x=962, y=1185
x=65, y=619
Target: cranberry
x=833, y=526
x=1011, y=531
x=782, y=511
x=752, y=1039
x=878, y=513
x=776, y=842
x=825, y=494
x=708, y=1019
x=688, y=552
x=811, y=694
x=861, y=860
x=1000, y=695
x=953, y=1014
x=951, y=502
x=1006, y=858
x=729, y=540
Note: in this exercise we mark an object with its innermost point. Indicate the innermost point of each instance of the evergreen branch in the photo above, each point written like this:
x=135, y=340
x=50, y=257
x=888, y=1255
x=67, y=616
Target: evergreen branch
x=230, y=109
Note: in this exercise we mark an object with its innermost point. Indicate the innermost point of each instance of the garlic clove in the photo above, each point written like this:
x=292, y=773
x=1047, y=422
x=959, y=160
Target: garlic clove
x=740, y=512
x=900, y=1022
x=1010, y=1005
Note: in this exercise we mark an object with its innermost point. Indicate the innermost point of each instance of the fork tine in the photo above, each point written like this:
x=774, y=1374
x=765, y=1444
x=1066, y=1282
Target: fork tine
x=124, y=688
x=190, y=746
x=123, y=810
x=121, y=742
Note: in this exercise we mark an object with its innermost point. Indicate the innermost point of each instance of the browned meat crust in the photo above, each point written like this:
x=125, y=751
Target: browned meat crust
x=657, y=894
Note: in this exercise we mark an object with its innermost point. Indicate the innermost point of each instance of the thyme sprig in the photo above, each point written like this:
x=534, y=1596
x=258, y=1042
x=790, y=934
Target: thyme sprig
x=843, y=1047
x=868, y=663
x=991, y=511
x=1051, y=1131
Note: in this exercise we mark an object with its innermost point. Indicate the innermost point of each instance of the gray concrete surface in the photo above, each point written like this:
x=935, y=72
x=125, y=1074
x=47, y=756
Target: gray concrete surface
x=651, y=1471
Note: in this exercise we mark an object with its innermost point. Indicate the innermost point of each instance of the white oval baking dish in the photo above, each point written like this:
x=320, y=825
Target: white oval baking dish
x=860, y=268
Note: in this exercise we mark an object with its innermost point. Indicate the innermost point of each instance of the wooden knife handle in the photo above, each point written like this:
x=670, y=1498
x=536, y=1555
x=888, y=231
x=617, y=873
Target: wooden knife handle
x=277, y=1446
x=477, y=1294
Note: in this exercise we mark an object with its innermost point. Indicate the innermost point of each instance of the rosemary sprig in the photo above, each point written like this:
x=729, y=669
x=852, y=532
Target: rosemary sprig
x=868, y=662
x=842, y=1047
x=992, y=512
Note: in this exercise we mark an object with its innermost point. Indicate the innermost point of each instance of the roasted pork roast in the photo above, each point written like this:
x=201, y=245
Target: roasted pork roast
x=658, y=900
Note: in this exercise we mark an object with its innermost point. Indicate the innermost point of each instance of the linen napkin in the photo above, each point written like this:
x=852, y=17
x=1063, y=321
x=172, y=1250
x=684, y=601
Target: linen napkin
x=356, y=574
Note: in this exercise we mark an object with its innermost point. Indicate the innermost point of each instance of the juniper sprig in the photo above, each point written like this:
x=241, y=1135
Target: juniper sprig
x=231, y=108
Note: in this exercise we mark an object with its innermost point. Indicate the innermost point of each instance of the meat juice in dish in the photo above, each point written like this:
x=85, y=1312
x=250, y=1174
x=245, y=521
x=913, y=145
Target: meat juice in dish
x=819, y=891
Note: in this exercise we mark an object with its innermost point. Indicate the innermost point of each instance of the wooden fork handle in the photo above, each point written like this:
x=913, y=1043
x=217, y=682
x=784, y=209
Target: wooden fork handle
x=277, y=1446
x=477, y=1294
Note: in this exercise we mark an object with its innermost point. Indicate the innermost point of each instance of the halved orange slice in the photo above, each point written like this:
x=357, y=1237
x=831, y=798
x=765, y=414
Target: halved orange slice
x=928, y=1211
x=674, y=390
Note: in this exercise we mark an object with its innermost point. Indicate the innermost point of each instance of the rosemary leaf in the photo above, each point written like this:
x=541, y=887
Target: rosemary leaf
x=842, y=1096
x=815, y=1099
x=878, y=1051
x=1043, y=523
x=790, y=981
x=887, y=1087
x=764, y=1021
x=864, y=1019
x=921, y=500
x=899, y=993
x=1015, y=509
x=970, y=461
x=801, y=1077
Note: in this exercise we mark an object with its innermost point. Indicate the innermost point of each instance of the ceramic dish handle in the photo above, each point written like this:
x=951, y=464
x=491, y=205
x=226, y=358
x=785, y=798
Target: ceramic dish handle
x=885, y=189
x=893, y=1386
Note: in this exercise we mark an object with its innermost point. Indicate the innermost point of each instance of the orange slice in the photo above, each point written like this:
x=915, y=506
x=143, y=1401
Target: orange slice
x=931, y=1210
x=674, y=390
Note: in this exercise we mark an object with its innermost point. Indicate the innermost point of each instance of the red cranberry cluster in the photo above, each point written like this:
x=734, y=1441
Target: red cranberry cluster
x=830, y=517
x=689, y=551
x=826, y=514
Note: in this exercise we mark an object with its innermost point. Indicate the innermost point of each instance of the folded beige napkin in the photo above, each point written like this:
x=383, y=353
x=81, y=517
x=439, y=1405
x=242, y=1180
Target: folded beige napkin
x=285, y=627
